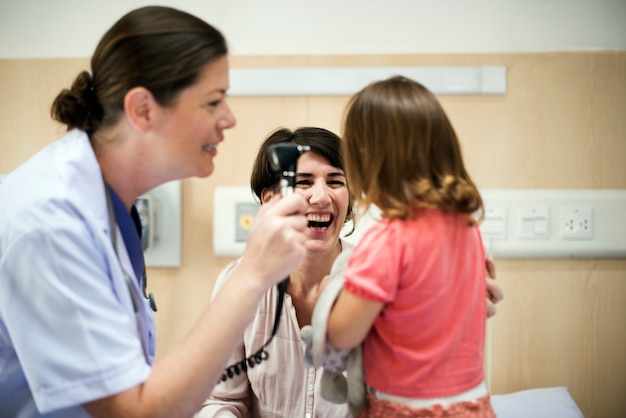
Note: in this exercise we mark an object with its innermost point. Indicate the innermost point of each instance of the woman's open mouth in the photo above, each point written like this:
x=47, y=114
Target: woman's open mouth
x=319, y=221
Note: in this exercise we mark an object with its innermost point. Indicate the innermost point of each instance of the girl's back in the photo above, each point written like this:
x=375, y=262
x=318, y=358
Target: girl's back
x=429, y=272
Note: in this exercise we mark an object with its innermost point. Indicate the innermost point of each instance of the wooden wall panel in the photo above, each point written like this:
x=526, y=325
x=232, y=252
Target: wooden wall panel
x=563, y=323
x=28, y=88
x=560, y=125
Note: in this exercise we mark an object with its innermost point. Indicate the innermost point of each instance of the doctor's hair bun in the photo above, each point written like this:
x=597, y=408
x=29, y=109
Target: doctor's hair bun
x=78, y=107
x=161, y=49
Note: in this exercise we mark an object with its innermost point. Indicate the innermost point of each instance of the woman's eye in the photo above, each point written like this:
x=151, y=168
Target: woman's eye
x=336, y=183
x=303, y=183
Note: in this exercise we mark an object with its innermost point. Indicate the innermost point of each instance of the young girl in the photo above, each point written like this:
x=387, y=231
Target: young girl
x=415, y=284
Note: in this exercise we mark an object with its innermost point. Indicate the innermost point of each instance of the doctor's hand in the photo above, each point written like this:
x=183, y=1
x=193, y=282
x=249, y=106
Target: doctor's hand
x=276, y=240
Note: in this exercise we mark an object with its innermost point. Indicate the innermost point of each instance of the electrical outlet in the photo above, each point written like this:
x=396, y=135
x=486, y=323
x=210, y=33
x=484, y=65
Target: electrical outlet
x=577, y=222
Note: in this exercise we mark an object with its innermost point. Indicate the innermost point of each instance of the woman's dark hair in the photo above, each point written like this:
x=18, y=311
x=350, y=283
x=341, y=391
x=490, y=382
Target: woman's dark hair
x=322, y=142
x=159, y=48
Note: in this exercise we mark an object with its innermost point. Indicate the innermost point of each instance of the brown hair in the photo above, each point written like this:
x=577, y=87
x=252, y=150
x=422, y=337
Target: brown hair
x=159, y=48
x=402, y=153
x=322, y=142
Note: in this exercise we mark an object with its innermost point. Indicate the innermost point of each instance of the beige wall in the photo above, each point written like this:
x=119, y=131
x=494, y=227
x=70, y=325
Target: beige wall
x=561, y=124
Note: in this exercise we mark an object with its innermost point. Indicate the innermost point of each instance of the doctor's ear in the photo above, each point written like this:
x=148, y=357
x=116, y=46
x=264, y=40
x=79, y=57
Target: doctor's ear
x=139, y=107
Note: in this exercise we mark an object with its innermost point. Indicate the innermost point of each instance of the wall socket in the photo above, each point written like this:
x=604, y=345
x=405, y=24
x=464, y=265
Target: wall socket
x=577, y=222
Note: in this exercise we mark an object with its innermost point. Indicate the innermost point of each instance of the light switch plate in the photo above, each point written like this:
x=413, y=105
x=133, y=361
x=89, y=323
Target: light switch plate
x=234, y=209
x=534, y=223
x=494, y=223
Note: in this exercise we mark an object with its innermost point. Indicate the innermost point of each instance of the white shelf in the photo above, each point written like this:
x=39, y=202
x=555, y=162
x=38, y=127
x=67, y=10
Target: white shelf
x=345, y=81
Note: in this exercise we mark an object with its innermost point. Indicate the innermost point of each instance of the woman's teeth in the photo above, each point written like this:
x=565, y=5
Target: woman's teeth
x=319, y=221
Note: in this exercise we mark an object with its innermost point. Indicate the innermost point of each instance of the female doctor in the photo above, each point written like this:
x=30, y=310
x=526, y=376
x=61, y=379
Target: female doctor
x=76, y=329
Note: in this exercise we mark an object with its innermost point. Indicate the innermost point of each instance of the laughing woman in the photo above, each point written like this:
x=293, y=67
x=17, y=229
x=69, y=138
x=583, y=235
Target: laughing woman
x=282, y=386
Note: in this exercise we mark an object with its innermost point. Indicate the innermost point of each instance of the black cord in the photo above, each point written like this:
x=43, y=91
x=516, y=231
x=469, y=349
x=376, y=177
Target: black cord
x=242, y=366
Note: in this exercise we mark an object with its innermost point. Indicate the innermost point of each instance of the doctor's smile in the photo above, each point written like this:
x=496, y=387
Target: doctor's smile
x=211, y=149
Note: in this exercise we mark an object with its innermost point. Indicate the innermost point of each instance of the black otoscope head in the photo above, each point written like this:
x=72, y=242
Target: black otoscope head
x=283, y=159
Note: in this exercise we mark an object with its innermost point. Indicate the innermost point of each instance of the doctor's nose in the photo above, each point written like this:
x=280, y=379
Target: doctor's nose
x=228, y=119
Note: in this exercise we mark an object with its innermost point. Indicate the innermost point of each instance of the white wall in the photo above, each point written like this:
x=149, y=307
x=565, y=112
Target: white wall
x=72, y=28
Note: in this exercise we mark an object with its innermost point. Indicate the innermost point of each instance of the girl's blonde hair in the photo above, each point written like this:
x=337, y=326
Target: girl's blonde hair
x=402, y=154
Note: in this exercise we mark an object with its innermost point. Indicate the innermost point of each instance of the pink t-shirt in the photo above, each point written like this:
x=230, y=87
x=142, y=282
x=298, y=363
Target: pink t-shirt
x=428, y=340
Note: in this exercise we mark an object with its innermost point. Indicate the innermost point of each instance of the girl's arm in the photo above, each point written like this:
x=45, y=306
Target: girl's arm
x=350, y=320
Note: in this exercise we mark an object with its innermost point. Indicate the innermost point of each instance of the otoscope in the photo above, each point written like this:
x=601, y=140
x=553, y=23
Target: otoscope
x=283, y=159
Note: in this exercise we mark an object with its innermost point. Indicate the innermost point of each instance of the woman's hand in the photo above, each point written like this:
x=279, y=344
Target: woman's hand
x=494, y=291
